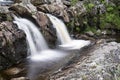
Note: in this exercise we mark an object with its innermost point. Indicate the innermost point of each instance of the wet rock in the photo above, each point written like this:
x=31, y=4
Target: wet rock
x=46, y=28
x=41, y=19
x=11, y=50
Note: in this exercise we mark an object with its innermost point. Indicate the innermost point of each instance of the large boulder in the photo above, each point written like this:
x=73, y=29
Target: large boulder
x=13, y=47
x=100, y=63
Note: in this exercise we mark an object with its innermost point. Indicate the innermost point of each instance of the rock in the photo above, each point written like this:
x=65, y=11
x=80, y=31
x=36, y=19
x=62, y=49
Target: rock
x=67, y=3
x=4, y=9
x=78, y=9
x=102, y=63
x=20, y=10
x=20, y=78
x=5, y=14
x=12, y=71
x=11, y=50
x=41, y=19
x=17, y=1
x=55, y=9
x=39, y=2
x=90, y=33
x=46, y=28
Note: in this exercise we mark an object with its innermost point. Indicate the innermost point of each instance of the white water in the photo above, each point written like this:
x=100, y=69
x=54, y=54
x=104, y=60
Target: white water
x=35, y=39
x=64, y=37
x=62, y=32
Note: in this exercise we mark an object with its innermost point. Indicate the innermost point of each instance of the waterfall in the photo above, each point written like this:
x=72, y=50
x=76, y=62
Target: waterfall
x=64, y=37
x=36, y=42
x=62, y=32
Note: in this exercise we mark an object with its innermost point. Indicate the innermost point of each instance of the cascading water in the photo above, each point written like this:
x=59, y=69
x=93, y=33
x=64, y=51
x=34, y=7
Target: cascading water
x=35, y=39
x=42, y=58
x=64, y=37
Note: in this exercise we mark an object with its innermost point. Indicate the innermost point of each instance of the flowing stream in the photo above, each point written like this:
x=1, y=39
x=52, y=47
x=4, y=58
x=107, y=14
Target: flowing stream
x=64, y=37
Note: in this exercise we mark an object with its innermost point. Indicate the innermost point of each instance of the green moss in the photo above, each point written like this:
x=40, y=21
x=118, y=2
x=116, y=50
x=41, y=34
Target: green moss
x=73, y=2
x=93, y=29
x=109, y=9
x=90, y=5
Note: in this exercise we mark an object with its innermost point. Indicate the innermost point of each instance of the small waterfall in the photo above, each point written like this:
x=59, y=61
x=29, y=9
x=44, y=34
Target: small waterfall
x=64, y=37
x=42, y=58
x=62, y=32
x=35, y=39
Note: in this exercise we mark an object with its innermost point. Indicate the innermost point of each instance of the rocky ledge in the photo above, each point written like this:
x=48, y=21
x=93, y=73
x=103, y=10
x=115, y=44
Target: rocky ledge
x=100, y=63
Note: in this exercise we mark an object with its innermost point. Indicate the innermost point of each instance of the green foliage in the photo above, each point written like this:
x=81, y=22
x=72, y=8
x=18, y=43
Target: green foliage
x=90, y=5
x=73, y=2
x=93, y=29
x=111, y=16
x=109, y=9
x=103, y=1
x=92, y=22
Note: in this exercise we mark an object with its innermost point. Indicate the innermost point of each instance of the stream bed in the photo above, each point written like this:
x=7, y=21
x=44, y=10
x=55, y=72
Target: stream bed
x=97, y=62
